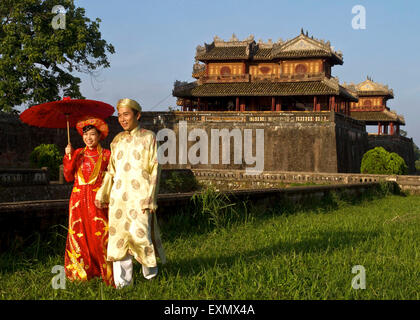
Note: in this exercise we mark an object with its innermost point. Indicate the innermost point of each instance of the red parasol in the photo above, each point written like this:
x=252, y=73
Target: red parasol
x=65, y=113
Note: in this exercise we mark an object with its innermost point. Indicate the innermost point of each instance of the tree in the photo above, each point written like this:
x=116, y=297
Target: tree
x=47, y=155
x=416, y=151
x=37, y=61
x=380, y=161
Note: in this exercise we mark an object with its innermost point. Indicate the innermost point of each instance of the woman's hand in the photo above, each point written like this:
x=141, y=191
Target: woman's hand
x=69, y=149
x=100, y=205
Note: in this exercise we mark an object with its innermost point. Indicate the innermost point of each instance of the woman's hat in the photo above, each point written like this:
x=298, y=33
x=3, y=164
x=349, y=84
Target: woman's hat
x=98, y=123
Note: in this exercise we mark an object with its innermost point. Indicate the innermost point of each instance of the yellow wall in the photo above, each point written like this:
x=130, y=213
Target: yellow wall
x=312, y=66
x=235, y=68
x=255, y=70
x=375, y=101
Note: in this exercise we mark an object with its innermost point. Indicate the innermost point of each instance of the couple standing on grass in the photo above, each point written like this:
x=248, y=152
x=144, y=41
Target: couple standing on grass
x=113, y=203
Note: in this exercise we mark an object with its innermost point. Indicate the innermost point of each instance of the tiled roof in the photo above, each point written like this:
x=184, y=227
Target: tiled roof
x=302, y=53
x=223, y=53
x=370, y=88
x=375, y=116
x=262, y=54
x=301, y=46
x=264, y=89
x=375, y=93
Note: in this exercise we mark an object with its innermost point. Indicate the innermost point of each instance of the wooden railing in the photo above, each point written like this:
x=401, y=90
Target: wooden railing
x=225, y=78
x=255, y=78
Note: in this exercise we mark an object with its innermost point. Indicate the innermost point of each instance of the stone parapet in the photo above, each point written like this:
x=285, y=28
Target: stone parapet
x=12, y=177
x=237, y=179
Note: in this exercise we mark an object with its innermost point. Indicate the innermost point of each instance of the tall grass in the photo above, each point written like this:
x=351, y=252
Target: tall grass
x=223, y=249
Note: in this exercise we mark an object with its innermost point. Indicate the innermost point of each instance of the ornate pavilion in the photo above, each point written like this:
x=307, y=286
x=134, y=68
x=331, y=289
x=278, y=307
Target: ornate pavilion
x=372, y=109
x=293, y=75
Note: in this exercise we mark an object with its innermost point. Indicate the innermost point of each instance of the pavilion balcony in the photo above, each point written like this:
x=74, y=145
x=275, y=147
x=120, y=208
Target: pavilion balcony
x=224, y=78
x=261, y=78
x=288, y=77
x=367, y=108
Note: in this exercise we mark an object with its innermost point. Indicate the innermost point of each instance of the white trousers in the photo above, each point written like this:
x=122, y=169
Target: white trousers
x=123, y=271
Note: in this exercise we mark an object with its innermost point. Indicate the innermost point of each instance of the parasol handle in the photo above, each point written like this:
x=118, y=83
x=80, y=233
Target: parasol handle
x=68, y=133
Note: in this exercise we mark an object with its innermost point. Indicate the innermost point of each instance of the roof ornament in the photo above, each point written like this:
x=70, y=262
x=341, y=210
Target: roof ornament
x=217, y=39
x=234, y=38
x=250, y=38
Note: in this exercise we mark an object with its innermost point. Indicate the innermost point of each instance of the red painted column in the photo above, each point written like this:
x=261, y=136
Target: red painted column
x=379, y=128
x=392, y=128
x=273, y=103
x=315, y=104
x=278, y=104
x=237, y=103
x=242, y=107
x=198, y=104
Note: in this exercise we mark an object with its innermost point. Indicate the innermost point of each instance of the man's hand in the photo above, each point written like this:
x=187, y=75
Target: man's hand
x=146, y=210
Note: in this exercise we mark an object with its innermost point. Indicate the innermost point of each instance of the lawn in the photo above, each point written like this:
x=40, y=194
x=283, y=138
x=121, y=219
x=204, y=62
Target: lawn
x=264, y=253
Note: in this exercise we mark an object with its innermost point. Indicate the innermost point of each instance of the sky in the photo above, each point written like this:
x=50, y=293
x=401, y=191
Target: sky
x=155, y=43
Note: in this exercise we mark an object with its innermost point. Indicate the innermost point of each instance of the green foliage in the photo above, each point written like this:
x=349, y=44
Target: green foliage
x=416, y=152
x=37, y=61
x=304, y=256
x=47, y=155
x=380, y=161
x=418, y=165
x=179, y=182
x=214, y=208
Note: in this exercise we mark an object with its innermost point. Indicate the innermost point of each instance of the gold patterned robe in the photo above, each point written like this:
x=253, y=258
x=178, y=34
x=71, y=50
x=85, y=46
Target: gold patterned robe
x=131, y=185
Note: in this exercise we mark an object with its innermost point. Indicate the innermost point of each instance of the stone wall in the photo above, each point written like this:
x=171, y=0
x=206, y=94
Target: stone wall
x=402, y=145
x=351, y=143
x=293, y=141
x=237, y=179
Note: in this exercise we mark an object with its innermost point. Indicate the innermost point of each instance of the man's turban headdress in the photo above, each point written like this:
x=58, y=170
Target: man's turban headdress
x=129, y=103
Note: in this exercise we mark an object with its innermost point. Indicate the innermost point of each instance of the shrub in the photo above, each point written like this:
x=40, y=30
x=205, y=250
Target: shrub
x=47, y=155
x=418, y=165
x=380, y=161
x=179, y=182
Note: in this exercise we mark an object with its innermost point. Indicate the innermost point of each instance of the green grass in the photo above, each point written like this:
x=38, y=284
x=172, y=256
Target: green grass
x=264, y=252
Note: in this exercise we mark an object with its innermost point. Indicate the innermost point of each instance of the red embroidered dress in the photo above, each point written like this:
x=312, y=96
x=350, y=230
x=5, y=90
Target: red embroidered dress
x=87, y=237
